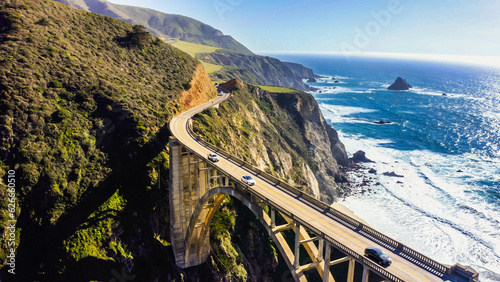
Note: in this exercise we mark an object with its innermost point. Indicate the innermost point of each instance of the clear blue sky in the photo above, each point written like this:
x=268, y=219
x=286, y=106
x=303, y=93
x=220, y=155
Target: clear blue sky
x=458, y=27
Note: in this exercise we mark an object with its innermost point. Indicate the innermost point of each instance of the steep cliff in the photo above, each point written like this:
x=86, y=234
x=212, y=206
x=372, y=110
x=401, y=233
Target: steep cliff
x=283, y=134
x=300, y=70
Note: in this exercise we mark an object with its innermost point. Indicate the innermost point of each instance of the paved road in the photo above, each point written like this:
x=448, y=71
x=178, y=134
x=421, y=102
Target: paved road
x=327, y=223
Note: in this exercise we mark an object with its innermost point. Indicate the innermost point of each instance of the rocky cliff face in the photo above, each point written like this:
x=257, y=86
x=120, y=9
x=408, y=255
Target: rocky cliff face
x=283, y=134
x=326, y=149
x=200, y=91
x=302, y=71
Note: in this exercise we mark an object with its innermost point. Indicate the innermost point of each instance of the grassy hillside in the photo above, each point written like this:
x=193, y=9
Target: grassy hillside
x=236, y=60
x=84, y=103
x=193, y=49
x=161, y=24
x=278, y=89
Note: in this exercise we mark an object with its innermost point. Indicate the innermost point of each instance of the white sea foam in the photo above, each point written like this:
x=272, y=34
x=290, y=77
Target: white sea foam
x=342, y=114
x=434, y=199
x=336, y=89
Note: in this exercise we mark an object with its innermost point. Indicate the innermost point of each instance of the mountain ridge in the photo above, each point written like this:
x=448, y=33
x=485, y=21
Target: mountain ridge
x=169, y=26
x=239, y=61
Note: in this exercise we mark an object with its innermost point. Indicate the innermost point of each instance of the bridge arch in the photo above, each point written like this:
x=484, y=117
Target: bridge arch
x=209, y=203
x=197, y=190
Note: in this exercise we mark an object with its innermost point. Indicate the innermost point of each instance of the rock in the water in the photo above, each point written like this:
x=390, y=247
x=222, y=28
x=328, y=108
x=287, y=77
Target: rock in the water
x=336, y=81
x=312, y=80
x=382, y=122
x=372, y=171
x=400, y=84
x=392, y=174
x=360, y=157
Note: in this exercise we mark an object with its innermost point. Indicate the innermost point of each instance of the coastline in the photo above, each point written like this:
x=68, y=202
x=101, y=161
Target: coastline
x=438, y=187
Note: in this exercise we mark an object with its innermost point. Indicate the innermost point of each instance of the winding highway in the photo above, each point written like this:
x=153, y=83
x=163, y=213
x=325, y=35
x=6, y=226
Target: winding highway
x=406, y=269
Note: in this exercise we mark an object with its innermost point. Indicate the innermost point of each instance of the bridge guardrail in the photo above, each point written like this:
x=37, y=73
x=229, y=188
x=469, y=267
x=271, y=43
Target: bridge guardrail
x=375, y=267
x=436, y=266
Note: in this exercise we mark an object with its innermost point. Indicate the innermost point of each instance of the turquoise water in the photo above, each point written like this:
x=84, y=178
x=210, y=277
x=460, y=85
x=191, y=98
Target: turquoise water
x=447, y=205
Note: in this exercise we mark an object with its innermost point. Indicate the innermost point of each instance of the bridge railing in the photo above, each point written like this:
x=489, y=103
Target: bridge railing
x=360, y=258
x=428, y=263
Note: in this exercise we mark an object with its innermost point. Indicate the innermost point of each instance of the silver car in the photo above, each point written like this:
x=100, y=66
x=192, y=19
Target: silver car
x=213, y=157
x=247, y=179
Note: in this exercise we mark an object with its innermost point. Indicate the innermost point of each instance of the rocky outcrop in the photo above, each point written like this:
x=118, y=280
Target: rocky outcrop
x=360, y=157
x=301, y=71
x=382, y=122
x=392, y=174
x=399, y=84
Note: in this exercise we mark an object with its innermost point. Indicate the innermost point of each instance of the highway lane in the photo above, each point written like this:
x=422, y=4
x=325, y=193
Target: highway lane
x=326, y=223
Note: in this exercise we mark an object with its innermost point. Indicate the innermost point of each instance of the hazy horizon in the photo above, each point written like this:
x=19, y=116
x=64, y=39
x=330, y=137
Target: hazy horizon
x=441, y=27
x=488, y=61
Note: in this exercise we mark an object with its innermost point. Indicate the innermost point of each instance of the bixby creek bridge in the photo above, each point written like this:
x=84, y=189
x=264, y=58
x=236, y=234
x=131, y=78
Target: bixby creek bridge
x=198, y=188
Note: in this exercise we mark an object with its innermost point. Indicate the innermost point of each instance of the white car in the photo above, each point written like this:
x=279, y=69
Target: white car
x=213, y=157
x=247, y=179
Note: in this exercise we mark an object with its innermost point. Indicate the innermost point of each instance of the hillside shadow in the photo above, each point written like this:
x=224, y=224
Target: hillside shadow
x=40, y=246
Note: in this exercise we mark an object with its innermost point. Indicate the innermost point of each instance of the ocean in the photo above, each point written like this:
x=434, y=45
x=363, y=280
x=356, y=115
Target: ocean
x=443, y=138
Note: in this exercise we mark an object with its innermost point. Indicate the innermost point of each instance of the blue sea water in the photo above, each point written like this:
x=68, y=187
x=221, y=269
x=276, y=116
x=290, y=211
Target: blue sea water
x=447, y=147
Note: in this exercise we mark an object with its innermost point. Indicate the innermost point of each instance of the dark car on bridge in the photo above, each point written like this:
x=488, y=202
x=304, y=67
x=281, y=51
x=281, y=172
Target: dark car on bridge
x=378, y=255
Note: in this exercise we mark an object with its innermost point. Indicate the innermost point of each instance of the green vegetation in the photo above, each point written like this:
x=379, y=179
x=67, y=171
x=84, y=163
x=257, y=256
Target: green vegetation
x=221, y=229
x=163, y=25
x=193, y=48
x=237, y=60
x=277, y=89
x=255, y=127
x=96, y=240
x=211, y=68
x=84, y=103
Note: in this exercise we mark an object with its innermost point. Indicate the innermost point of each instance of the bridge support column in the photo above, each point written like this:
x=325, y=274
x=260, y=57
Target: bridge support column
x=182, y=201
x=366, y=274
x=273, y=218
x=320, y=249
x=326, y=273
x=296, y=263
x=350, y=273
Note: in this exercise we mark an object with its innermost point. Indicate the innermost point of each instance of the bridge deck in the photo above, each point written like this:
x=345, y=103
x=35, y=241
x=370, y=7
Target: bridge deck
x=302, y=210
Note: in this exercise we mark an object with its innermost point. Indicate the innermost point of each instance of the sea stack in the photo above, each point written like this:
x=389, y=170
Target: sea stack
x=400, y=84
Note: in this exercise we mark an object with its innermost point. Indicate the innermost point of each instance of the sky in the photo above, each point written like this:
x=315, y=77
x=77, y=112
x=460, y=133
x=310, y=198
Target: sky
x=441, y=27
